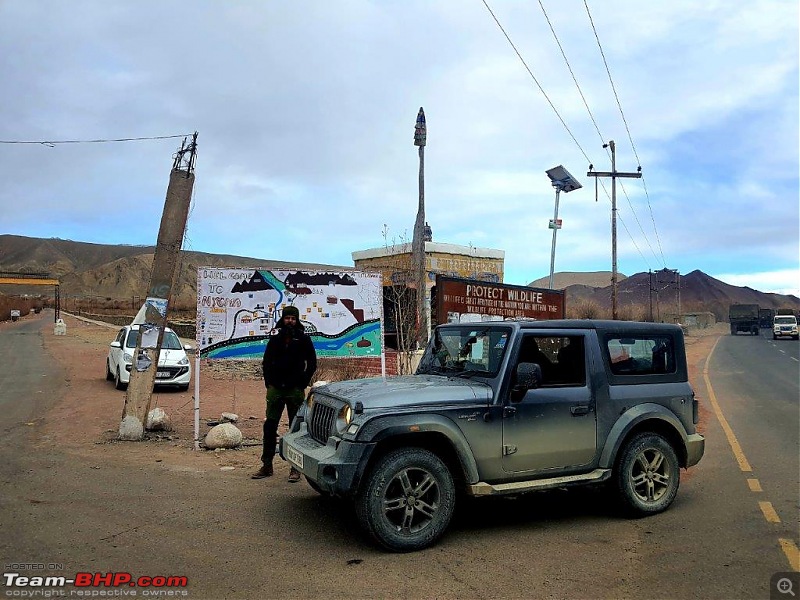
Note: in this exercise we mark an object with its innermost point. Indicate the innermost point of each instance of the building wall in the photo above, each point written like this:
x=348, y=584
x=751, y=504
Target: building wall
x=398, y=268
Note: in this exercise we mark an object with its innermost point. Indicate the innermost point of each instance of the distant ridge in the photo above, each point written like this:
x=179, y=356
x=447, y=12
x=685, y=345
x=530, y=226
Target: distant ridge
x=121, y=272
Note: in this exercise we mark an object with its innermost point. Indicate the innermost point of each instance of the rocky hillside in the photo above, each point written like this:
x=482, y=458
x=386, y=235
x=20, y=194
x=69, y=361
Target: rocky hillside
x=119, y=274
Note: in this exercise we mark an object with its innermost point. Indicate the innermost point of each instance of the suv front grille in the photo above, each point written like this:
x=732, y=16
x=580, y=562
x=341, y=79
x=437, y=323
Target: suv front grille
x=323, y=419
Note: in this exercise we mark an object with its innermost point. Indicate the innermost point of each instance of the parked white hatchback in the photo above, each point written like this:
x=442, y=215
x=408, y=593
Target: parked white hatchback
x=174, y=369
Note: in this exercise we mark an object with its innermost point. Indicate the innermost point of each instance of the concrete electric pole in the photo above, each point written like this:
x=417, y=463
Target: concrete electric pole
x=418, y=243
x=162, y=278
x=613, y=174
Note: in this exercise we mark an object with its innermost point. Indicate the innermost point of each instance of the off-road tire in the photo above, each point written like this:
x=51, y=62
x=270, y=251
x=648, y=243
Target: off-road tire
x=118, y=383
x=109, y=374
x=406, y=500
x=647, y=475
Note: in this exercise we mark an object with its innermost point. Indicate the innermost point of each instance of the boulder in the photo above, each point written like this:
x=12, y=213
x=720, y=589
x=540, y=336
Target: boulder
x=225, y=435
x=158, y=420
x=229, y=417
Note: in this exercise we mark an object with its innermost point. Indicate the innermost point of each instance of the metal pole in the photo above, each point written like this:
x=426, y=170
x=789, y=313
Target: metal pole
x=613, y=230
x=555, y=230
x=418, y=243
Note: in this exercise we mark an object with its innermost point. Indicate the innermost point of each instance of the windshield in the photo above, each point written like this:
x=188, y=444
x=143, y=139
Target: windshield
x=468, y=350
x=785, y=320
x=170, y=341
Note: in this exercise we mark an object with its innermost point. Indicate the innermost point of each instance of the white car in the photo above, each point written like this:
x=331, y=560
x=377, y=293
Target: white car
x=174, y=369
x=784, y=325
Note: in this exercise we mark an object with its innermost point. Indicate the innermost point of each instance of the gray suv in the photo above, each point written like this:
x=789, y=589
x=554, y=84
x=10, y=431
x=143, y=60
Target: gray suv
x=504, y=407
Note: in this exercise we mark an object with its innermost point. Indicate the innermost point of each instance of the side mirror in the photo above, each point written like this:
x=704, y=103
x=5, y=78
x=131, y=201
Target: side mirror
x=528, y=377
x=115, y=344
x=188, y=348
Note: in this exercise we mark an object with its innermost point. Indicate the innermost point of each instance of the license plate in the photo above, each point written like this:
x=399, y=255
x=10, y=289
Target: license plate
x=294, y=456
x=163, y=374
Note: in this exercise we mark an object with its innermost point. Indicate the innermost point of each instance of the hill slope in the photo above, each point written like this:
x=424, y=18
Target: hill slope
x=121, y=273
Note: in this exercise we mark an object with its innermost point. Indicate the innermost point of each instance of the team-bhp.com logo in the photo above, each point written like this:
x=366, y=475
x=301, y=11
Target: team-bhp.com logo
x=93, y=584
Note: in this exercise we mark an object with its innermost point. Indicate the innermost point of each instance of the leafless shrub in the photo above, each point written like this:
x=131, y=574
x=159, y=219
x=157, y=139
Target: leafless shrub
x=585, y=309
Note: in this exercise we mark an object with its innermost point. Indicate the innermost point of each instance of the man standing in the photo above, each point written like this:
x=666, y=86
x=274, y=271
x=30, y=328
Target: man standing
x=289, y=363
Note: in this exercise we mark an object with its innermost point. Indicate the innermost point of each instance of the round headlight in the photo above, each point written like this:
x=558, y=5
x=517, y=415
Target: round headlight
x=347, y=414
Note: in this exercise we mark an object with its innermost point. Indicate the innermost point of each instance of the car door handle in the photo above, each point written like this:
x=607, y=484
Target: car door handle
x=579, y=410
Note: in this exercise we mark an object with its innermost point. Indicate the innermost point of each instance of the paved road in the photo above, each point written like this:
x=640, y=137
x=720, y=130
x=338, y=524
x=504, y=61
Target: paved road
x=236, y=538
x=757, y=382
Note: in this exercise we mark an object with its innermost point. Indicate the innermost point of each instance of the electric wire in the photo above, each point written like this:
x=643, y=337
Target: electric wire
x=594, y=122
x=627, y=129
x=558, y=115
x=98, y=141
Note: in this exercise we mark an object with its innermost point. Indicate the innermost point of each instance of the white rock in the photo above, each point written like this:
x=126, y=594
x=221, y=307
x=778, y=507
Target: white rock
x=158, y=420
x=229, y=417
x=131, y=429
x=225, y=435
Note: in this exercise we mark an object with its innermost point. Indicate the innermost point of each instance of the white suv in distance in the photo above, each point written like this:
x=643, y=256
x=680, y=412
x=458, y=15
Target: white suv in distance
x=173, y=370
x=784, y=325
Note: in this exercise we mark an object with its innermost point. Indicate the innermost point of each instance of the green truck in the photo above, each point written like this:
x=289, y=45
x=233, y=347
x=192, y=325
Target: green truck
x=744, y=318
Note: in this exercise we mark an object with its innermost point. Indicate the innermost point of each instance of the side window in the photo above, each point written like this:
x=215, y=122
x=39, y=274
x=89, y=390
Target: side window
x=120, y=336
x=562, y=358
x=641, y=355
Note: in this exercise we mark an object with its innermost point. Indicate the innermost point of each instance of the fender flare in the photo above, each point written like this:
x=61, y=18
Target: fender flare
x=388, y=426
x=630, y=419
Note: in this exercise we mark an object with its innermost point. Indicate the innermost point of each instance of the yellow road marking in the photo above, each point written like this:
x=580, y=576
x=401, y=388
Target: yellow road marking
x=755, y=485
x=791, y=552
x=734, y=443
x=769, y=512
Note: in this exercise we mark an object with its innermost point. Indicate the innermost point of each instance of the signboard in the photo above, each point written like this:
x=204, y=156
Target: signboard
x=469, y=300
x=555, y=224
x=238, y=308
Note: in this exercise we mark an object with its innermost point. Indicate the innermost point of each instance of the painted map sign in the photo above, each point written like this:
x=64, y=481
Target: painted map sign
x=470, y=300
x=237, y=309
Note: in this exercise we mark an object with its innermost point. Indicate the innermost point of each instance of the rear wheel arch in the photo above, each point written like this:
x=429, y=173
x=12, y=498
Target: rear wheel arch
x=664, y=424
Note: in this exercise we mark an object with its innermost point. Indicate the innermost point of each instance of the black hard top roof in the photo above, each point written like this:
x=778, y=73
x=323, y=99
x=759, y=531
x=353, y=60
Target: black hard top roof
x=598, y=324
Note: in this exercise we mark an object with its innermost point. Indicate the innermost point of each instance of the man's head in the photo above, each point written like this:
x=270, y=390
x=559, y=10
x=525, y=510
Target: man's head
x=290, y=315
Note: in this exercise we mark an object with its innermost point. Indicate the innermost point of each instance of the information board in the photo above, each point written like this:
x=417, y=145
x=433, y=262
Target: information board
x=238, y=308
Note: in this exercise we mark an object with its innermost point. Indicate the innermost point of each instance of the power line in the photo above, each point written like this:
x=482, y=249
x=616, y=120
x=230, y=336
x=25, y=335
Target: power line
x=627, y=129
x=597, y=128
x=555, y=110
x=536, y=81
x=52, y=143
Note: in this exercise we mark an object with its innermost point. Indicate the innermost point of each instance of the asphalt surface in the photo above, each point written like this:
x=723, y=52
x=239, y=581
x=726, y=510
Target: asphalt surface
x=98, y=511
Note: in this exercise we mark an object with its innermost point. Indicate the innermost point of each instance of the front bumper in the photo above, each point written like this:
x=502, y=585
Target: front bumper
x=784, y=332
x=336, y=467
x=172, y=375
x=695, y=447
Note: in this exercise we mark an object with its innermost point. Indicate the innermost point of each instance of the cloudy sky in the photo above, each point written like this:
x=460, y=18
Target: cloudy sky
x=305, y=112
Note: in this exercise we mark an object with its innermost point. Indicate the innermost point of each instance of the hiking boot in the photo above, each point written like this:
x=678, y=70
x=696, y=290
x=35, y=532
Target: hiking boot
x=265, y=471
x=294, y=475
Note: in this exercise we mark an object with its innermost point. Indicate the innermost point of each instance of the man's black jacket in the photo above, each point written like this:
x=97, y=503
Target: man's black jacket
x=289, y=359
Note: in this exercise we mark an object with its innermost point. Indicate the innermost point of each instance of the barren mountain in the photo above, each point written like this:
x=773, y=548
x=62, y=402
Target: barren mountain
x=120, y=274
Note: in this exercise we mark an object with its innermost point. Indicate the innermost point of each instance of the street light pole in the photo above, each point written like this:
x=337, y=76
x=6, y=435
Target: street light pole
x=555, y=226
x=561, y=180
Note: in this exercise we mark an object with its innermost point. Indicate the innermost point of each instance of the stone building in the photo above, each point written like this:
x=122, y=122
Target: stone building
x=396, y=265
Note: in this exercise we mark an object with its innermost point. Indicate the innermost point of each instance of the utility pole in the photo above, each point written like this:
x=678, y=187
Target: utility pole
x=613, y=174
x=650, y=276
x=162, y=279
x=418, y=243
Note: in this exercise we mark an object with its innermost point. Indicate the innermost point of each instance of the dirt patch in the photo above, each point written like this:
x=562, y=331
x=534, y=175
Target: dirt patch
x=89, y=414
